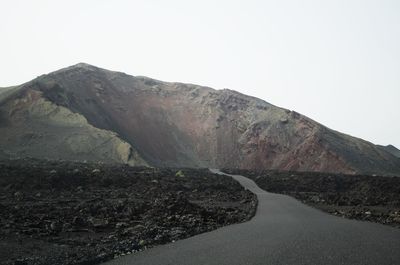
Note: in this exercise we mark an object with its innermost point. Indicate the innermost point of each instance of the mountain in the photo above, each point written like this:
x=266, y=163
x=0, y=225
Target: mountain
x=87, y=113
x=391, y=149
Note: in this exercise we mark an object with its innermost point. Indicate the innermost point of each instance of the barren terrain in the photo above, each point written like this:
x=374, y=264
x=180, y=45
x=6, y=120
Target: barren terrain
x=80, y=213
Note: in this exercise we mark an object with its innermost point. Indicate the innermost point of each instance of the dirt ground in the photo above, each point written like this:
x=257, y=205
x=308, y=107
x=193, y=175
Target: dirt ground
x=366, y=198
x=81, y=213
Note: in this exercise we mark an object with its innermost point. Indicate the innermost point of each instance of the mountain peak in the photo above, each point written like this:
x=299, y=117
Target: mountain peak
x=78, y=67
x=392, y=146
x=82, y=65
x=392, y=149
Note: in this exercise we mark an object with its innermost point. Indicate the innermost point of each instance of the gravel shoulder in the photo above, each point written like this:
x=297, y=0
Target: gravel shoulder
x=55, y=212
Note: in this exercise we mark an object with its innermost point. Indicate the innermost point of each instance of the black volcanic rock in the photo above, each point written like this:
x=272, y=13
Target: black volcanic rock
x=61, y=212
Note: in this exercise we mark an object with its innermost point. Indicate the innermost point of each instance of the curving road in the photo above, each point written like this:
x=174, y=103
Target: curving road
x=284, y=231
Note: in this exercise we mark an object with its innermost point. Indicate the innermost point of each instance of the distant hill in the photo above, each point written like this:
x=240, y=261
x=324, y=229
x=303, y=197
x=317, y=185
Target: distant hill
x=391, y=149
x=87, y=113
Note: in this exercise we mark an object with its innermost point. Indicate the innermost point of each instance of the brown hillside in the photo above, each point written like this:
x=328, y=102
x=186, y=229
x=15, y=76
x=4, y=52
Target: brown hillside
x=96, y=114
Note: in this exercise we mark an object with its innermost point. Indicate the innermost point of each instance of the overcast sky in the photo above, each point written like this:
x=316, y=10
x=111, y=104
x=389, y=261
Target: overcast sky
x=337, y=62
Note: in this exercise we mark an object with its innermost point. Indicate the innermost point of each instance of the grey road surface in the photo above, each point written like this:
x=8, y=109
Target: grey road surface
x=284, y=231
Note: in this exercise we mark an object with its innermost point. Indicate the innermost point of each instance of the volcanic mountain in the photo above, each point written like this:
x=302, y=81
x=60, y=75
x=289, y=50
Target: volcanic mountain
x=391, y=149
x=87, y=113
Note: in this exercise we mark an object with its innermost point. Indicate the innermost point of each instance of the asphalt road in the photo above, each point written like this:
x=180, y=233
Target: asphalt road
x=284, y=231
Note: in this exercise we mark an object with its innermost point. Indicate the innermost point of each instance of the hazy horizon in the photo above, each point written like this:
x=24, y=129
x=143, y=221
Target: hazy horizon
x=335, y=62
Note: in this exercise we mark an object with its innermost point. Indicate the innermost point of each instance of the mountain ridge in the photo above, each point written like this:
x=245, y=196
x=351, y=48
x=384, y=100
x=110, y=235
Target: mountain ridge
x=178, y=124
x=391, y=149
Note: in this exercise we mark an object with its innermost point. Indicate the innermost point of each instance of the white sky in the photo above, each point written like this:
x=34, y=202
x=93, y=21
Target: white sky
x=337, y=61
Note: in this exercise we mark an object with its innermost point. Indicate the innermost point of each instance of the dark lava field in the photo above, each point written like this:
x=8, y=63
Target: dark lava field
x=360, y=197
x=82, y=213
x=58, y=212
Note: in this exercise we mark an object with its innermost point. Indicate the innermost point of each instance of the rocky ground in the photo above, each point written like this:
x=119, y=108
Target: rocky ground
x=366, y=198
x=80, y=213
